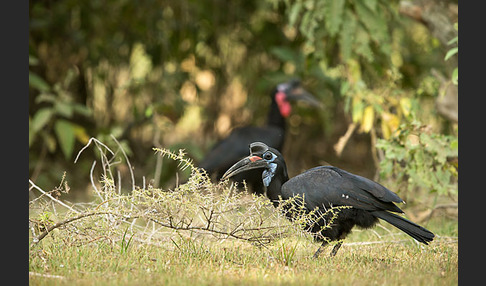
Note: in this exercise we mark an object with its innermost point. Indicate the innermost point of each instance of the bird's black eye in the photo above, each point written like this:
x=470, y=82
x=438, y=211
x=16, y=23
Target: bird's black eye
x=267, y=156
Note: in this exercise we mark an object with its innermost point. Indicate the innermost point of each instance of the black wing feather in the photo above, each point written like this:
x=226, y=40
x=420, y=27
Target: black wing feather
x=328, y=186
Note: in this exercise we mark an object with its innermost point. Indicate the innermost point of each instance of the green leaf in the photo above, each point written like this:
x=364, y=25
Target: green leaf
x=347, y=34
x=451, y=52
x=308, y=25
x=63, y=108
x=455, y=39
x=149, y=111
x=455, y=76
x=375, y=24
x=40, y=119
x=38, y=83
x=362, y=41
x=454, y=145
x=283, y=53
x=294, y=13
x=81, y=109
x=66, y=136
x=371, y=4
x=333, y=15
x=358, y=109
x=46, y=97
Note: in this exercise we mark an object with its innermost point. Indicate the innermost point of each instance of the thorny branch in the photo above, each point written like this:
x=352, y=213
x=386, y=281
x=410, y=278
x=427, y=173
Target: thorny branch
x=52, y=198
x=196, y=206
x=64, y=222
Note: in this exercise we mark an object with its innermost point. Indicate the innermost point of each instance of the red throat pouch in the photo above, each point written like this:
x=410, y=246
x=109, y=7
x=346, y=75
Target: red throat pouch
x=283, y=104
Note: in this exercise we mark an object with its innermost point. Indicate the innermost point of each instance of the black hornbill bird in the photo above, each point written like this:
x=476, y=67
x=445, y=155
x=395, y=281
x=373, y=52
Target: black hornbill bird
x=363, y=201
x=235, y=146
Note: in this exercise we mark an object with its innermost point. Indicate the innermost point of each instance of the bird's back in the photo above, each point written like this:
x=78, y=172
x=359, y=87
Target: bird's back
x=328, y=186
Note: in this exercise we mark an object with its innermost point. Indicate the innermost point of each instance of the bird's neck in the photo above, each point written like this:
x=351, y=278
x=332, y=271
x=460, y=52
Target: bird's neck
x=273, y=191
x=275, y=117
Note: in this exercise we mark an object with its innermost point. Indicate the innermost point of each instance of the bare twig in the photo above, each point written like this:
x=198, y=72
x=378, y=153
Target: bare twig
x=128, y=161
x=61, y=223
x=51, y=197
x=105, y=163
x=92, y=180
x=259, y=240
x=86, y=146
x=339, y=146
x=430, y=213
x=45, y=275
x=374, y=242
x=119, y=181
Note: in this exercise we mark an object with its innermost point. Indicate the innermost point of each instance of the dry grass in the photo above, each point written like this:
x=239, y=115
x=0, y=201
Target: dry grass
x=197, y=261
x=205, y=234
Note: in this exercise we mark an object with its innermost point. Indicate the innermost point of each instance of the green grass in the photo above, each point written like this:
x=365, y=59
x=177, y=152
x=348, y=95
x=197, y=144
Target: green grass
x=393, y=260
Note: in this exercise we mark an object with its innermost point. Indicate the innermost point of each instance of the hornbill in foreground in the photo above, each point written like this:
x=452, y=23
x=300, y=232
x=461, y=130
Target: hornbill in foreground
x=235, y=146
x=362, y=201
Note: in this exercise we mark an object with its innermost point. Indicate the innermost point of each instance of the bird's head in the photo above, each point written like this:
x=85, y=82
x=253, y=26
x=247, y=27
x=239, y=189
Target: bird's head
x=261, y=157
x=292, y=91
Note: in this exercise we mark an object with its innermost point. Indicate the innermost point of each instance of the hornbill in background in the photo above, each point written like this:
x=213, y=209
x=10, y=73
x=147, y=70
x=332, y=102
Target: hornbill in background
x=235, y=146
x=363, y=201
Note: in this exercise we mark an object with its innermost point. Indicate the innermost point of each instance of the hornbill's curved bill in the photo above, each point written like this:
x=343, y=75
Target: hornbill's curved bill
x=293, y=91
x=321, y=188
x=235, y=146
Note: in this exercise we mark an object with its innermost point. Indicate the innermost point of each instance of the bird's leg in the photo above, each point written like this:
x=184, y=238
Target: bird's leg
x=336, y=248
x=320, y=249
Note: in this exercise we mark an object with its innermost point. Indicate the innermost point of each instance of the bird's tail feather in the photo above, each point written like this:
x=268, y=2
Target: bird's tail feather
x=414, y=230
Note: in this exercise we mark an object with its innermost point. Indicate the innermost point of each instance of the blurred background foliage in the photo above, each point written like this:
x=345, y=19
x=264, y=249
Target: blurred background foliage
x=182, y=74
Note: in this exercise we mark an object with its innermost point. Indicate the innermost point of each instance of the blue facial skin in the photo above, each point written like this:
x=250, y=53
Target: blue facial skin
x=268, y=174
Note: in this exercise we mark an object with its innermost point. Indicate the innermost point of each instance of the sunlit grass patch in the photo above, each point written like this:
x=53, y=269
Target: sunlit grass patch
x=200, y=233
